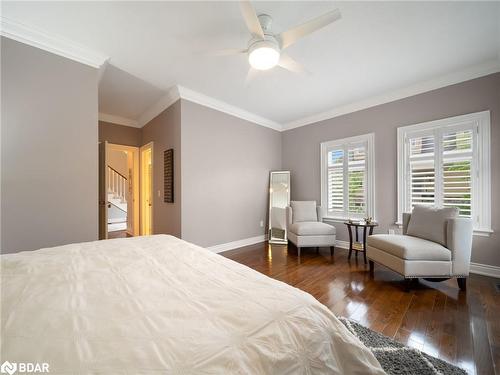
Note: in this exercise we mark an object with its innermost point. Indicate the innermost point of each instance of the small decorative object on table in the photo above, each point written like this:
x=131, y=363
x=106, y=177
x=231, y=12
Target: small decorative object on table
x=357, y=246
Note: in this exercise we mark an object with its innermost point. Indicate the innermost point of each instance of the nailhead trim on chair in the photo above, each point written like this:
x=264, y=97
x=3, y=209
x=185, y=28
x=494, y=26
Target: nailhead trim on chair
x=418, y=277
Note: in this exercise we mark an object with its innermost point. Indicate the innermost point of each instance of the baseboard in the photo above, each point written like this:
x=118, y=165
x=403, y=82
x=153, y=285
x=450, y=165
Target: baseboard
x=236, y=244
x=485, y=270
x=342, y=244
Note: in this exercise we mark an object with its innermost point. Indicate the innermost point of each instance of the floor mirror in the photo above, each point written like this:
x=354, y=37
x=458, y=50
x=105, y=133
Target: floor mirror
x=279, y=199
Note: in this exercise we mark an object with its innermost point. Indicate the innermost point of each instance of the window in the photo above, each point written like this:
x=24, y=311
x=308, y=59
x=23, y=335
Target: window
x=347, y=177
x=446, y=163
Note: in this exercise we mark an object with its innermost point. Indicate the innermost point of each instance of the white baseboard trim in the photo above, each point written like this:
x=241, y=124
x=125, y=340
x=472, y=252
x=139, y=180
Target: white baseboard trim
x=485, y=270
x=236, y=244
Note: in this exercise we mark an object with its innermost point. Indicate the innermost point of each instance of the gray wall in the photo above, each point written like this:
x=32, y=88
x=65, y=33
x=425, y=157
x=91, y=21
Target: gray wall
x=301, y=149
x=118, y=161
x=165, y=132
x=119, y=134
x=49, y=149
x=225, y=175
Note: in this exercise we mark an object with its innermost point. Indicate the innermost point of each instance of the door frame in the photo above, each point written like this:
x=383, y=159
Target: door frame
x=135, y=187
x=143, y=148
x=102, y=199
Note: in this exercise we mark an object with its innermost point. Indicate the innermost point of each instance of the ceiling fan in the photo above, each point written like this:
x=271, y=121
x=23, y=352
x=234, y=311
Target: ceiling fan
x=265, y=49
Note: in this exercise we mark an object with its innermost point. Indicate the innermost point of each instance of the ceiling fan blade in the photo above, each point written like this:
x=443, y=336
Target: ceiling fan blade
x=252, y=73
x=290, y=64
x=251, y=19
x=289, y=37
x=229, y=52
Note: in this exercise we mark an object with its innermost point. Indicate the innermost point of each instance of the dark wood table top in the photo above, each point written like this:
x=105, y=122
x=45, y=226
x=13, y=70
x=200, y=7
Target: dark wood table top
x=361, y=223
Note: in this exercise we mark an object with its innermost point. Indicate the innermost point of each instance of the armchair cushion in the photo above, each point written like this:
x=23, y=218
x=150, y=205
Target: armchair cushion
x=431, y=223
x=460, y=244
x=311, y=228
x=304, y=211
x=409, y=248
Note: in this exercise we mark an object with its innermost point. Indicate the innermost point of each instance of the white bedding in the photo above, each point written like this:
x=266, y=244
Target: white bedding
x=151, y=305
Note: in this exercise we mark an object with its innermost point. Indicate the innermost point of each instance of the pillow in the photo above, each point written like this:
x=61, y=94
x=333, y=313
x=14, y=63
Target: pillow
x=430, y=223
x=303, y=211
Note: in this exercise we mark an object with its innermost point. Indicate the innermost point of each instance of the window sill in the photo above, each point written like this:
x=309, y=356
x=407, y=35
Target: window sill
x=480, y=232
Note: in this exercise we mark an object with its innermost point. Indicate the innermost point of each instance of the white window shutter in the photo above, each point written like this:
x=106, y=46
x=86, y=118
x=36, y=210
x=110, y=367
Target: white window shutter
x=347, y=177
x=446, y=163
x=422, y=171
x=457, y=170
x=356, y=171
x=336, y=181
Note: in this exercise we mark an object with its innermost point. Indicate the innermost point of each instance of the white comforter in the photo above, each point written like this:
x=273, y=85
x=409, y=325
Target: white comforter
x=159, y=305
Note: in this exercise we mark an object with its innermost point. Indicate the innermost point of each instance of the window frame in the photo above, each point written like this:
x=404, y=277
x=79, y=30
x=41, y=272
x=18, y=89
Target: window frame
x=368, y=140
x=479, y=122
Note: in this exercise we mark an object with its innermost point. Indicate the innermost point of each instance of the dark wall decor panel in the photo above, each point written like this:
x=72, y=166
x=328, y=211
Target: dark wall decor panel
x=168, y=175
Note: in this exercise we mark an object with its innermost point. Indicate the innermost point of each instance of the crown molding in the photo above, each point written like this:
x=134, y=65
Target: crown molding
x=179, y=92
x=118, y=120
x=476, y=71
x=50, y=42
x=221, y=106
x=162, y=104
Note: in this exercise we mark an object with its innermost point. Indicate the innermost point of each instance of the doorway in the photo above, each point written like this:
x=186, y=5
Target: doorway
x=147, y=189
x=118, y=191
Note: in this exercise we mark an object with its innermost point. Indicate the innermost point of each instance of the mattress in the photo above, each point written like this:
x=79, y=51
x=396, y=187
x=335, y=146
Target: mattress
x=160, y=305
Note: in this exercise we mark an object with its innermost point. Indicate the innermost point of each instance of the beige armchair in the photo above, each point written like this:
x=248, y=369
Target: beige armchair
x=436, y=244
x=305, y=226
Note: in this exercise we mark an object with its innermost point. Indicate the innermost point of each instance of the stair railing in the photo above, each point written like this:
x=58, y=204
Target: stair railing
x=117, y=184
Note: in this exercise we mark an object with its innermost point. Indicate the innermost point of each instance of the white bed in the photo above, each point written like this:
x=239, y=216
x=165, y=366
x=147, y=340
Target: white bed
x=151, y=305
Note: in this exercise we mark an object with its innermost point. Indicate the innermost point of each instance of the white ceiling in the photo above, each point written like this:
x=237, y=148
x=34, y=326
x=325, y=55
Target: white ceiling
x=124, y=95
x=376, y=48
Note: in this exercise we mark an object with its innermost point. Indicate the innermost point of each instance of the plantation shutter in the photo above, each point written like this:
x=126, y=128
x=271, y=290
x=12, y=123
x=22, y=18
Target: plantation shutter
x=457, y=167
x=447, y=163
x=422, y=171
x=347, y=173
x=440, y=168
x=357, y=180
x=336, y=181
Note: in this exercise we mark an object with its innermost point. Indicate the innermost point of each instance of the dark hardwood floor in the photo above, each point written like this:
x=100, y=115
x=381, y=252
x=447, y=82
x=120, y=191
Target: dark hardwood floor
x=118, y=234
x=462, y=328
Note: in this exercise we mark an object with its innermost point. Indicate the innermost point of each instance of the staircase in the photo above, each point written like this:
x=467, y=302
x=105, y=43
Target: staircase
x=117, y=200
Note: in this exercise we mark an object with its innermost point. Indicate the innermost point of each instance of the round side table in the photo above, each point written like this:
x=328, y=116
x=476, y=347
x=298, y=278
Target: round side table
x=356, y=244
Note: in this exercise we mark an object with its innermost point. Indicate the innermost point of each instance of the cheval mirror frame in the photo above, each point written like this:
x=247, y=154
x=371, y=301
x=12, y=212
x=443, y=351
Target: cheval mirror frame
x=279, y=199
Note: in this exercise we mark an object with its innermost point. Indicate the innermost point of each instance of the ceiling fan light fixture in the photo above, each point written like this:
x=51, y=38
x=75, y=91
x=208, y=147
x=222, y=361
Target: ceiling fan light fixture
x=263, y=55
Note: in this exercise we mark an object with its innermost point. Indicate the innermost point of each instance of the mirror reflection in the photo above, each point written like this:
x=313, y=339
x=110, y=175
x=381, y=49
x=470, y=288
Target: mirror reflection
x=279, y=199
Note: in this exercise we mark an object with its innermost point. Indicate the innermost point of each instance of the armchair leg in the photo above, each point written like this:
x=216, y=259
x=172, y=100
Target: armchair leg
x=462, y=283
x=298, y=251
x=332, y=250
x=317, y=250
x=372, y=267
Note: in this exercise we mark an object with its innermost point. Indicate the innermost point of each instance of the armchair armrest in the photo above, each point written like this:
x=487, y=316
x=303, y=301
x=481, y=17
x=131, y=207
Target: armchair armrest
x=289, y=216
x=406, y=221
x=459, y=241
x=319, y=213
